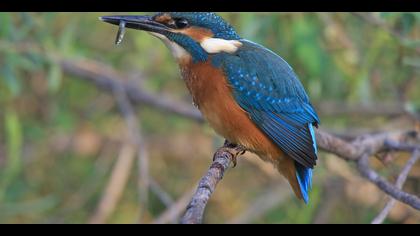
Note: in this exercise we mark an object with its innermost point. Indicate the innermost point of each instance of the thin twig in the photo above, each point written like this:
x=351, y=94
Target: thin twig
x=358, y=150
x=264, y=203
x=116, y=185
x=332, y=195
x=402, y=177
x=384, y=185
x=105, y=77
x=163, y=196
x=173, y=213
x=136, y=138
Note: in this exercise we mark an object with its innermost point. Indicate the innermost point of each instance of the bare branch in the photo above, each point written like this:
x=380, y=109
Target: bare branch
x=264, y=203
x=379, y=219
x=329, y=108
x=173, y=213
x=221, y=162
x=163, y=196
x=384, y=185
x=107, y=78
x=136, y=139
x=115, y=186
x=341, y=148
x=358, y=150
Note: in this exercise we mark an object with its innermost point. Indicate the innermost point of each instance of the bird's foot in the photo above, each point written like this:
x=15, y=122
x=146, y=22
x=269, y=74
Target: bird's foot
x=234, y=150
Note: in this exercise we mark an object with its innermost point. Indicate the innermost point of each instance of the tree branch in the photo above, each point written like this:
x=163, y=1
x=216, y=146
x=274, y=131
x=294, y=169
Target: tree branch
x=115, y=186
x=136, y=139
x=358, y=150
x=221, y=161
x=384, y=185
x=379, y=219
x=173, y=213
x=106, y=78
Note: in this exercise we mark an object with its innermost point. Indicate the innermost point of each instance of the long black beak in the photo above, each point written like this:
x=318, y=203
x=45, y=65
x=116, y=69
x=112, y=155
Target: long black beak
x=145, y=23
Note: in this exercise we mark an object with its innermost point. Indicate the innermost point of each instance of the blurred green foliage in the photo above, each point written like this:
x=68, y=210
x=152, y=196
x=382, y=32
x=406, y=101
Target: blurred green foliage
x=59, y=136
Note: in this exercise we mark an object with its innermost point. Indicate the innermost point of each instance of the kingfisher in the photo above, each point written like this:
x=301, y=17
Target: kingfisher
x=247, y=93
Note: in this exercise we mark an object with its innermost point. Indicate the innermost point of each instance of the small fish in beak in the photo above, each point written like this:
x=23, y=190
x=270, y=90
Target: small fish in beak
x=121, y=33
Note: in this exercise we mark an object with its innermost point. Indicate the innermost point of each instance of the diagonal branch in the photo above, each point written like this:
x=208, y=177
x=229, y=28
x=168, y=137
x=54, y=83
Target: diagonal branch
x=135, y=139
x=221, y=162
x=396, y=193
x=402, y=177
x=106, y=78
x=358, y=150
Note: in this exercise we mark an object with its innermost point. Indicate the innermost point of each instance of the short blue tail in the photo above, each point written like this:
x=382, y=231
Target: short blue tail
x=304, y=176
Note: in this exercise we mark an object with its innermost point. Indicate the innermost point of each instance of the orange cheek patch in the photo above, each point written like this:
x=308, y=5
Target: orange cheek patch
x=197, y=33
x=165, y=18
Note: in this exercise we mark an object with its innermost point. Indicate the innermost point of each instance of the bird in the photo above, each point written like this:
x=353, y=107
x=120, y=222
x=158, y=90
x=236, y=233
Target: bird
x=247, y=93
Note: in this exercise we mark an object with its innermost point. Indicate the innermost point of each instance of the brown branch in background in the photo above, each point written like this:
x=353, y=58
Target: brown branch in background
x=379, y=219
x=163, y=196
x=367, y=172
x=264, y=203
x=358, y=150
x=115, y=186
x=332, y=194
x=174, y=212
x=329, y=108
x=124, y=164
x=135, y=139
x=106, y=78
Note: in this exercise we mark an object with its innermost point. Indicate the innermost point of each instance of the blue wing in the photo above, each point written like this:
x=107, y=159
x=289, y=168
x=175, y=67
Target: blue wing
x=266, y=87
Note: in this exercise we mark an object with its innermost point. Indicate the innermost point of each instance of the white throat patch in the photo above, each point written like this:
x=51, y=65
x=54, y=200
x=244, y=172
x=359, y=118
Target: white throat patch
x=216, y=45
x=177, y=51
x=210, y=45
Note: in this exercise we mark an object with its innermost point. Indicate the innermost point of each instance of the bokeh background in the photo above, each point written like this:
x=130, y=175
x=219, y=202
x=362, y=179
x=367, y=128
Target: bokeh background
x=64, y=156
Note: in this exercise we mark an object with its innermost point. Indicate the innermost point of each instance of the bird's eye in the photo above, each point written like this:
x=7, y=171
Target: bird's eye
x=181, y=23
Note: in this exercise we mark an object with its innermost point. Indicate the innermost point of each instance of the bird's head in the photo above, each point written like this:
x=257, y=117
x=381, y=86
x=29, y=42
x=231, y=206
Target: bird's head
x=193, y=35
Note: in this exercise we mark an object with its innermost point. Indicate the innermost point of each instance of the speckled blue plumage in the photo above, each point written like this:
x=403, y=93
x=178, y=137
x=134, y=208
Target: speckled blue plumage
x=209, y=20
x=268, y=89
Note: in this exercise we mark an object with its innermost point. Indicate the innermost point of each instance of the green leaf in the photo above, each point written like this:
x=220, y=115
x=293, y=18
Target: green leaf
x=407, y=22
x=412, y=61
x=54, y=77
x=14, y=137
x=307, y=46
x=14, y=150
x=67, y=38
x=26, y=63
x=411, y=43
x=37, y=59
x=25, y=26
x=5, y=24
x=388, y=15
x=10, y=79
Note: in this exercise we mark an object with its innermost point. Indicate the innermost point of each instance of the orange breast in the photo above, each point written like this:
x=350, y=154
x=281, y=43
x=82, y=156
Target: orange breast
x=213, y=96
